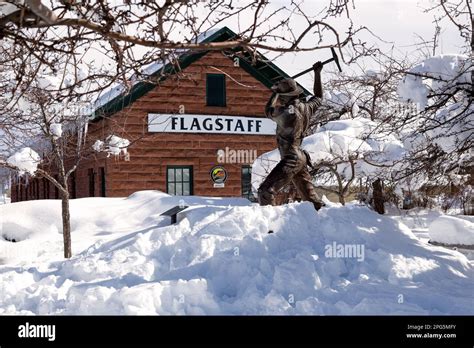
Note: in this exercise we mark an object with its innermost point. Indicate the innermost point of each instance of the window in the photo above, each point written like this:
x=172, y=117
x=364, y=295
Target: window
x=91, y=176
x=179, y=180
x=102, y=181
x=246, y=178
x=215, y=90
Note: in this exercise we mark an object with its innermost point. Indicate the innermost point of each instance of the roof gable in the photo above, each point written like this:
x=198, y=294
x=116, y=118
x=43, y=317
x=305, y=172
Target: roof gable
x=263, y=70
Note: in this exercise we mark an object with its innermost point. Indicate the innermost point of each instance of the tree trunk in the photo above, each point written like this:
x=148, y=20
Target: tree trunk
x=341, y=199
x=66, y=217
x=378, y=201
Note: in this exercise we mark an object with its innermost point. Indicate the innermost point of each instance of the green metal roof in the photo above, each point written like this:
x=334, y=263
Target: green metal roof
x=261, y=68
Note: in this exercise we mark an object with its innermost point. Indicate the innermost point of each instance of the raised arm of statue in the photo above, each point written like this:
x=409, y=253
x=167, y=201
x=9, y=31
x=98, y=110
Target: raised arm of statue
x=270, y=107
x=318, y=87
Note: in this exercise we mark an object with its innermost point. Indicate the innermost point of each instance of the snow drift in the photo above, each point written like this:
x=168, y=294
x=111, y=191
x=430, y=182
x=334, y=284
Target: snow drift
x=452, y=230
x=220, y=259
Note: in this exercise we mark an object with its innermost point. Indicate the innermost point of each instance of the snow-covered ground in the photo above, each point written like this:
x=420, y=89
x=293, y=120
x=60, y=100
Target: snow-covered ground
x=435, y=226
x=417, y=219
x=4, y=199
x=220, y=259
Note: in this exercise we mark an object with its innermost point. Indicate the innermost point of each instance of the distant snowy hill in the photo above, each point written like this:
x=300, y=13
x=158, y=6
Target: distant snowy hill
x=220, y=259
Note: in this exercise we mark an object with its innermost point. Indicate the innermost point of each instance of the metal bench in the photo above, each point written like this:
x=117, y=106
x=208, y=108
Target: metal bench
x=173, y=212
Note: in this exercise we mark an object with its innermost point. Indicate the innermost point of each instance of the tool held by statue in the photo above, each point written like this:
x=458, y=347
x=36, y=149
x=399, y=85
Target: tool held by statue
x=334, y=58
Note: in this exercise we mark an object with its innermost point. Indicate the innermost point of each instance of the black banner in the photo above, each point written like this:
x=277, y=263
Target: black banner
x=140, y=331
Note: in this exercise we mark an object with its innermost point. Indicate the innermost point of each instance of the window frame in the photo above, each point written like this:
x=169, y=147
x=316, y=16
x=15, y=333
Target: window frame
x=191, y=178
x=250, y=196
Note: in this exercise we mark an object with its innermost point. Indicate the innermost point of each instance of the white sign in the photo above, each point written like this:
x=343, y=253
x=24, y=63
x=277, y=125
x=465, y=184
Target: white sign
x=188, y=123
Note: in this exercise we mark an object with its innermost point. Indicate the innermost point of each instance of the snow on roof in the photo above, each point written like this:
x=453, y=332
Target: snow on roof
x=109, y=95
x=206, y=34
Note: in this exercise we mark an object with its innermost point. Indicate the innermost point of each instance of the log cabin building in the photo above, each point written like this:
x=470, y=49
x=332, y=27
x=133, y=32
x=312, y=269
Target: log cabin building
x=179, y=127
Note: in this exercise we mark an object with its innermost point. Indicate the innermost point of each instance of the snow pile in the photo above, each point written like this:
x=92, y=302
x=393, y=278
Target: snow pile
x=26, y=160
x=452, y=230
x=113, y=145
x=39, y=221
x=56, y=130
x=220, y=259
x=445, y=72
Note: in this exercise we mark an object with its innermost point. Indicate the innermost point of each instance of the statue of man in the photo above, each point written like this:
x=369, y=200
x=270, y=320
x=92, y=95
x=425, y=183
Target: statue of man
x=292, y=116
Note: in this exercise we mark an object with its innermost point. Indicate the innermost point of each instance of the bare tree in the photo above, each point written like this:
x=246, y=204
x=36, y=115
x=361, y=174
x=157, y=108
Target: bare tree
x=344, y=178
x=57, y=131
x=443, y=128
x=58, y=35
x=55, y=136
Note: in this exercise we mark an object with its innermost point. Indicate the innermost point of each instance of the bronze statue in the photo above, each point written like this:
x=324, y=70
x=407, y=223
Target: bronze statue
x=292, y=117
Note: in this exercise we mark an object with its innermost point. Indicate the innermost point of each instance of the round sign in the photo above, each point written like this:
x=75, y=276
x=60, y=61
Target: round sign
x=218, y=175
